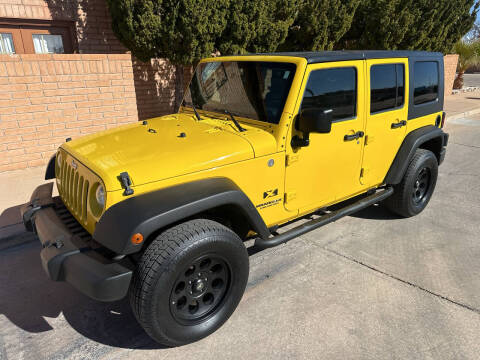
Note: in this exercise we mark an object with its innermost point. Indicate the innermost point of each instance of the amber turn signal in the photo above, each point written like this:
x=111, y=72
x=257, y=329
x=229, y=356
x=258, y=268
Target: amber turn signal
x=137, y=239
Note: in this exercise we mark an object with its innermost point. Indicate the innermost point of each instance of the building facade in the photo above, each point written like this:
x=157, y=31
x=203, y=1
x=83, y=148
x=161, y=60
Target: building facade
x=63, y=73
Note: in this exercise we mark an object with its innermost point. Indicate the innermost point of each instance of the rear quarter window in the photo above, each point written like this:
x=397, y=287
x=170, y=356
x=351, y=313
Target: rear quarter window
x=425, y=82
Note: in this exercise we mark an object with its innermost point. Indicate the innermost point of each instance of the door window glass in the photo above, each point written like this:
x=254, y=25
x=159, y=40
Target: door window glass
x=6, y=44
x=332, y=90
x=47, y=44
x=387, y=87
x=425, y=82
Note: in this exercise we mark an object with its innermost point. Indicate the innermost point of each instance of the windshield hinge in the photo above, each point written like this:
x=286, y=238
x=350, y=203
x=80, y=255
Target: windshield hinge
x=290, y=159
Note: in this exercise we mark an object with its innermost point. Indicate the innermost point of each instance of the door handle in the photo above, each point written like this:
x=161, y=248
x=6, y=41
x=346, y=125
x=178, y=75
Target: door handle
x=399, y=124
x=355, y=136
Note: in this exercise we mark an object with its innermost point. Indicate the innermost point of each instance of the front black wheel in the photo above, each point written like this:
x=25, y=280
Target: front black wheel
x=413, y=193
x=189, y=281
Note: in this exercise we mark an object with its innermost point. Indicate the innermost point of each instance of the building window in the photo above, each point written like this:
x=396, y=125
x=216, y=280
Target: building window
x=6, y=44
x=333, y=90
x=36, y=37
x=425, y=82
x=387, y=89
x=48, y=44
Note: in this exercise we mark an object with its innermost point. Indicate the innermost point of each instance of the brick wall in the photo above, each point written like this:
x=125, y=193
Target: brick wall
x=154, y=81
x=450, y=64
x=47, y=98
x=155, y=87
x=90, y=17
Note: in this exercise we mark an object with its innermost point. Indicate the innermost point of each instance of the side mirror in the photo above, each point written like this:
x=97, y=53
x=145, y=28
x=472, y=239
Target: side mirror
x=315, y=121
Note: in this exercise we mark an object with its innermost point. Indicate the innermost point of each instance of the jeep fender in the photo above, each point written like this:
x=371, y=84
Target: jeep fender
x=428, y=137
x=50, y=171
x=147, y=213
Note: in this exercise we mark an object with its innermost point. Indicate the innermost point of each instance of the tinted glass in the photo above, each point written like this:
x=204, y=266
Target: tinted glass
x=400, y=84
x=425, y=82
x=254, y=90
x=383, y=82
x=332, y=89
x=387, y=87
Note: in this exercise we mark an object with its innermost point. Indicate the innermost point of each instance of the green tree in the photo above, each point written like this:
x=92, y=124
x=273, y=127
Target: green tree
x=257, y=26
x=185, y=31
x=320, y=24
x=182, y=31
x=468, y=55
x=410, y=24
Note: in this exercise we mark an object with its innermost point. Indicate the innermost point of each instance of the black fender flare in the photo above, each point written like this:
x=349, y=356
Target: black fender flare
x=149, y=212
x=50, y=171
x=411, y=143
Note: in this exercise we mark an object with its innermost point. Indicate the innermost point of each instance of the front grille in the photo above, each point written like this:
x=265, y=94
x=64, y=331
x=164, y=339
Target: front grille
x=82, y=238
x=70, y=222
x=74, y=190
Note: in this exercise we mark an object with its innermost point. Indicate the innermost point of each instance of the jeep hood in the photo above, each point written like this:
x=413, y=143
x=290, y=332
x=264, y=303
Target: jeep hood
x=166, y=147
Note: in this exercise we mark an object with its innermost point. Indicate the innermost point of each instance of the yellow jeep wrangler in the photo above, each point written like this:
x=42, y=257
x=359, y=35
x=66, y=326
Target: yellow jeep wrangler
x=160, y=209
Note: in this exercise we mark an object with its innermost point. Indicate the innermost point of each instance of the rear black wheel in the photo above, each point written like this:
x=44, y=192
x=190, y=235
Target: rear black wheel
x=189, y=281
x=413, y=193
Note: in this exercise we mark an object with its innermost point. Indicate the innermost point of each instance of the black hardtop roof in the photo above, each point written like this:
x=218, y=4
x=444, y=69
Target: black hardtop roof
x=345, y=55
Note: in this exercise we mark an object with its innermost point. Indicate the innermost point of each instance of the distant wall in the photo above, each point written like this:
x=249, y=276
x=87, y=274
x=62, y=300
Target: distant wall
x=47, y=98
x=450, y=63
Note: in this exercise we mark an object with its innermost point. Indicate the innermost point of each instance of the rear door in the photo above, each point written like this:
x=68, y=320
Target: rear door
x=387, y=112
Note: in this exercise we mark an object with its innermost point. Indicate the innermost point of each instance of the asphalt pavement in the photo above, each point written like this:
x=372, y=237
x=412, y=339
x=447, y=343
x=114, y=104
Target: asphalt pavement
x=370, y=286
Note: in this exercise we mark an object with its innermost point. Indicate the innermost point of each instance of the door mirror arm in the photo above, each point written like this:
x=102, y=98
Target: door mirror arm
x=297, y=141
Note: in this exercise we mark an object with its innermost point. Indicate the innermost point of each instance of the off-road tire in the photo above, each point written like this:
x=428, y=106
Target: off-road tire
x=167, y=262
x=409, y=198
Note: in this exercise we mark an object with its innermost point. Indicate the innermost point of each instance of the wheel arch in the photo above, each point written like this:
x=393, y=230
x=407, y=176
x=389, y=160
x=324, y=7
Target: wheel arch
x=214, y=198
x=428, y=137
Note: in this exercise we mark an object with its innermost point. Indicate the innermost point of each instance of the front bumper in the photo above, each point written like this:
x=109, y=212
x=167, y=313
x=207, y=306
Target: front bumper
x=69, y=254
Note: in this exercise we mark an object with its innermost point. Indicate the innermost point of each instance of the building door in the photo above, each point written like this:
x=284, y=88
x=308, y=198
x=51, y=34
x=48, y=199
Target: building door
x=328, y=169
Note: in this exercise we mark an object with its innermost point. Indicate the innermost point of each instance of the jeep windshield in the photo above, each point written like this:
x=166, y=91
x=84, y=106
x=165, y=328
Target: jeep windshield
x=250, y=89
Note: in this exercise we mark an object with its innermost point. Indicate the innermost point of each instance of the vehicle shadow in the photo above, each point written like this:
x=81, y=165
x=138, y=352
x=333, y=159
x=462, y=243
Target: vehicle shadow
x=376, y=212
x=28, y=298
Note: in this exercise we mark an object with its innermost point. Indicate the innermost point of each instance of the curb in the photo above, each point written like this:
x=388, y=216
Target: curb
x=15, y=235
x=463, y=115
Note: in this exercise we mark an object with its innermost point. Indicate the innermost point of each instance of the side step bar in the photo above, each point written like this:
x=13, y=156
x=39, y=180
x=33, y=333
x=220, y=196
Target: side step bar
x=261, y=244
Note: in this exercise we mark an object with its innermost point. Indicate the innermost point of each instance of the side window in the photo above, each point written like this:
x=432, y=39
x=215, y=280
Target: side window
x=425, y=83
x=332, y=89
x=387, y=87
x=6, y=43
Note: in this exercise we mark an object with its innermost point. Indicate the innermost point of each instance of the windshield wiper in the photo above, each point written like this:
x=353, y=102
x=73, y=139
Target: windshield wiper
x=239, y=127
x=194, y=110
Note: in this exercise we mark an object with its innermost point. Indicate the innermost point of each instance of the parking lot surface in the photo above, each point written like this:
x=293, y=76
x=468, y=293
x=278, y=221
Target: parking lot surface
x=370, y=286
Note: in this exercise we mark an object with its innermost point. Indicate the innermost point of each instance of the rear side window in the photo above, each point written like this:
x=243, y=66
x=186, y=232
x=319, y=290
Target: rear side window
x=425, y=82
x=387, y=87
x=332, y=90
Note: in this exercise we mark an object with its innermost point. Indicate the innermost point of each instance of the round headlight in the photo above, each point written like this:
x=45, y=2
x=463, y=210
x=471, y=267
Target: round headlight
x=100, y=196
x=59, y=160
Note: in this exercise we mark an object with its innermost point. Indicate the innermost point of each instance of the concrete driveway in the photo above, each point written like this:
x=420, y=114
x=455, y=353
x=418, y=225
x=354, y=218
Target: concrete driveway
x=471, y=80
x=371, y=286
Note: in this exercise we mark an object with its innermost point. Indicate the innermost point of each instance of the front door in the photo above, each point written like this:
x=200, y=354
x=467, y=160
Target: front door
x=386, y=116
x=328, y=169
